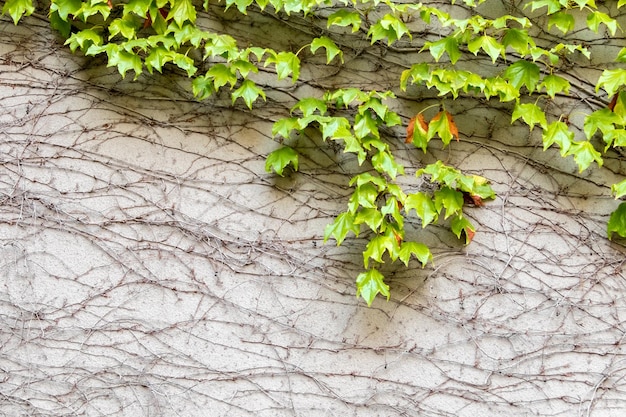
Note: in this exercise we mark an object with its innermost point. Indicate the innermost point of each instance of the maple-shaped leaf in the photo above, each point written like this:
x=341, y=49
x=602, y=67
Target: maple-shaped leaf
x=443, y=125
x=377, y=247
x=564, y=21
x=286, y=63
x=344, y=18
x=371, y=283
x=221, y=75
x=552, y=5
x=558, y=132
x=384, y=162
x=139, y=7
x=554, y=84
x=62, y=26
x=339, y=229
x=417, y=132
x=490, y=45
x=612, y=80
x=83, y=39
x=335, y=127
x=18, y=8
x=365, y=124
x=249, y=92
x=371, y=217
x=65, y=7
x=530, y=113
x=523, y=73
x=617, y=222
x=603, y=120
x=619, y=189
x=424, y=207
x=280, y=159
x=448, y=44
x=450, y=199
x=390, y=27
x=461, y=226
x=284, y=126
x=419, y=250
x=519, y=40
x=202, y=87
x=594, y=19
x=182, y=11
x=584, y=154
x=331, y=48
x=309, y=105
x=392, y=208
x=364, y=195
x=615, y=137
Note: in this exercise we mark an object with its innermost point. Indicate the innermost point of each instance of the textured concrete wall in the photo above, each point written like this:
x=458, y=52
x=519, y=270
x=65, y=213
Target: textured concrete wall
x=150, y=267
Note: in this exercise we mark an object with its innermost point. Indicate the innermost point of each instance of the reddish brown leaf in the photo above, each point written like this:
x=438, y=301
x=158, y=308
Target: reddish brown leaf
x=454, y=130
x=470, y=235
x=409, y=130
x=613, y=102
x=110, y=4
x=422, y=122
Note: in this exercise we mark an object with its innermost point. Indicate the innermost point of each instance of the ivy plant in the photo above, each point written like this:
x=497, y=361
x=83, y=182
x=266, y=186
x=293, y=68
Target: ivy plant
x=144, y=36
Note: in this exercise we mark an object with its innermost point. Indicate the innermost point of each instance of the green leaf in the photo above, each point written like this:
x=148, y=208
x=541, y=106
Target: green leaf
x=377, y=247
x=603, y=119
x=552, y=5
x=523, y=73
x=182, y=11
x=284, y=126
x=124, y=61
x=594, y=19
x=364, y=195
x=611, y=80
x=619, y=189
x=558, y=132
x=564, y=21
x=421, y=252
x=461, y=226
x=518, y=40
x=281, y=158
x=221, y=75
x=439, y=125
x=554, y=84
x=139, y=7
x=339, y=229
x=249, y=92
x=448, y=44
x=617, y=222
x=615, y=138
x=389, y=27
x=451, y=200
x=65, y=7
x=369, y=284
x=620, y=3
x=365, y=124
x=286, y=63
x=62, y=26
x=331, y=48
x=309, y=105
x=371, y=217
x=18, y=8
x=126, y=27
x=584, y=154
x=424, y=207
x=242, y=5
x=488, y=44
x=345, y=18
x=384, y=162
x=83, y=39
x=530, y=113
x=202, y=87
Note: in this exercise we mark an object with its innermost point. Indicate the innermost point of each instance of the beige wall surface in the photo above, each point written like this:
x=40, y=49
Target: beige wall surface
x=149, y=266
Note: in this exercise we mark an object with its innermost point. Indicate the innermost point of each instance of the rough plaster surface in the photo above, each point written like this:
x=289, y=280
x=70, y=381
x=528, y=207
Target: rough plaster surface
x=150, y=267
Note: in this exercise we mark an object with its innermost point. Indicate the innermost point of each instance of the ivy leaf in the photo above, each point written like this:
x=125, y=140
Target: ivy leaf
x=611, y=80
x=124, y=61
x=530, y=113
x=562, y=20
x=202, y=87
x=364, y=195
x=83, y=39
x=417, y=132
x=331, y=48
x=284, y=126
x=617, y=222
x=126, y=27
x=286, y=63
x=523, y=73
x=518, y=40
x=490, y=45
x=554, y=84
x=62, y=26
x=369, y=284
x=424, y=207
x=552, y=5
x=621, y=56
x=281, y=158
x=448, y=44
x=364, y=124
x=421, y=252
x=139, y=7
x=384, y=162
x=221, y=75
x=371, y=217
x=242, y=5
x=461, y=226
x=619, y=189
x=65, y=7
x=335, y=127
x=345, y=18
x=182, y=11
x=603, y=119
x=584, y=154
x=339, y=229
x=249, y=92
x=18, y=8
x=558, y=132
x=594, y=19
x=451, y=200
x=615, y=138
x=443, y=125
x=389, y=27
x=377, y=247
x=309, y=105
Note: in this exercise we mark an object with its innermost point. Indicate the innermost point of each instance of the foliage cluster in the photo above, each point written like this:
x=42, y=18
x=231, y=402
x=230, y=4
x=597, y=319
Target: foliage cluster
x=150, y=35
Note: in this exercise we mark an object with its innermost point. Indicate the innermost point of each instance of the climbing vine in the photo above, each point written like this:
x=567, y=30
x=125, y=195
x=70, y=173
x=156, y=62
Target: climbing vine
x=138, y=36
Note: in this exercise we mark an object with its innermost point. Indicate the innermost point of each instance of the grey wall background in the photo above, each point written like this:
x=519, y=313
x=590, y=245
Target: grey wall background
x=150, y=267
